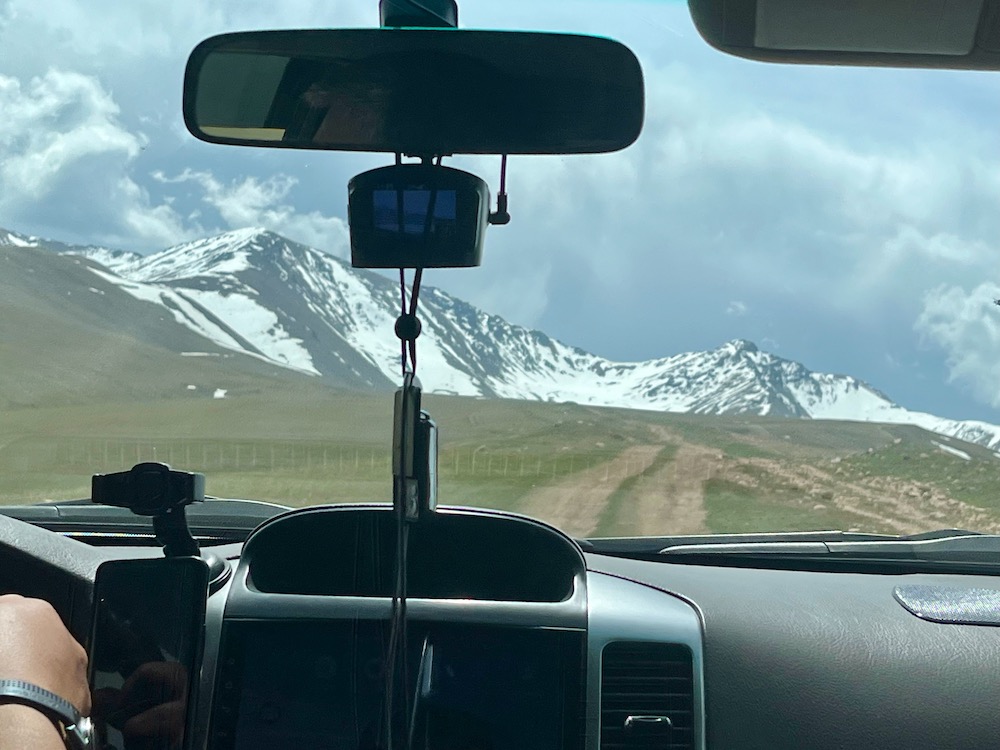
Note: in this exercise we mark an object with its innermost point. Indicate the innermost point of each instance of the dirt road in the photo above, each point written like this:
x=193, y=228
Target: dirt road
x=665, y=500
x=672, y=500
x=575, y=503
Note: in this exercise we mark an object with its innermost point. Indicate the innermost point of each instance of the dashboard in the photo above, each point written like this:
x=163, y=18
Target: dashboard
x=516, y=637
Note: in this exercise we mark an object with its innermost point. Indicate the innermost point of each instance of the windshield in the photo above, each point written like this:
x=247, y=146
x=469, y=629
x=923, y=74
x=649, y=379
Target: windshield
x=775, y=311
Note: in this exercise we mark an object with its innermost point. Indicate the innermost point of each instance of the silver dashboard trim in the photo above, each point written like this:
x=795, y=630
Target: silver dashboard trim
x=214, y=615
x=621, y=610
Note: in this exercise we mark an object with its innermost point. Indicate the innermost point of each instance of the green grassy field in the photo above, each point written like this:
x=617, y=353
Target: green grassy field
x=305, y=444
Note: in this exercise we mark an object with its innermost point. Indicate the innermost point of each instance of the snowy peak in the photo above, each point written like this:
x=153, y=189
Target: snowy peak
x=258, y=293
x=740, y=347
x=12, y=239
x=224, y=254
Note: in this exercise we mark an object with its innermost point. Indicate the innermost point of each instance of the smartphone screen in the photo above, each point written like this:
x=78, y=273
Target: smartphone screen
x=145, y=651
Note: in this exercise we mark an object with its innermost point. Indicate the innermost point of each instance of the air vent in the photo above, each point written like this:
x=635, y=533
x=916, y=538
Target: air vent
x=647, y=697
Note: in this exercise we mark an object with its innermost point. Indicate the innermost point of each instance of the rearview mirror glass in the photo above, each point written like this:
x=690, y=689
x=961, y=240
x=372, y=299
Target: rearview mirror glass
x=415, y=91
x=956, y=34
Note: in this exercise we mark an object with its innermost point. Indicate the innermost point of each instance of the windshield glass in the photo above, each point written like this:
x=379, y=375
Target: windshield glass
x=775, y=311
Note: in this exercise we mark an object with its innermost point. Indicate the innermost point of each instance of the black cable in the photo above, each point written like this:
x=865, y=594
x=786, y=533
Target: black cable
x=397, y=667
x=408, y=315
x=501, y=216
x=415, y=290
x=402, y=312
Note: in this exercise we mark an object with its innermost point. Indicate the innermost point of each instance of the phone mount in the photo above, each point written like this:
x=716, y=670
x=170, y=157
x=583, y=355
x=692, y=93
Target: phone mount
x=157, y=491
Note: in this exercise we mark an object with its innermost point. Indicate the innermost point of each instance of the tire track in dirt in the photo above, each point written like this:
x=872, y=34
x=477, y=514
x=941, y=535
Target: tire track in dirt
x=576, y=502
x=672, y=499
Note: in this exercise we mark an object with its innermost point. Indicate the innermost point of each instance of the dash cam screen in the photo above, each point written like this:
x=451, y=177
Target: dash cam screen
x=406, y=212
x=322, y=685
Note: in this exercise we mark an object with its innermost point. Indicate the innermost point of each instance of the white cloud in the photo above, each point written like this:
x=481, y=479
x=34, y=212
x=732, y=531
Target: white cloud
x=736, y=308
x=250, y=201
x=149, y=28
x=63, y=151
x=966, y=325
x=56, y=120
x=742, y=185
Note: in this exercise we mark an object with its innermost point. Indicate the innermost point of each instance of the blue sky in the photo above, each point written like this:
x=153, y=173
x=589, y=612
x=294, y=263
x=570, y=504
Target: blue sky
x=847, y=219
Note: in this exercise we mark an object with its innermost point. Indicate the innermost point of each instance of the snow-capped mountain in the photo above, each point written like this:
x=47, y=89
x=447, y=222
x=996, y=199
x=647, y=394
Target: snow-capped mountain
x=13, y=239
x=258, y=293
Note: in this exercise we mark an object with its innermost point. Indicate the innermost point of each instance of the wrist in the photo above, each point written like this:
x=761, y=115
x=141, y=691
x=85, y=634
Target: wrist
x=73, y=729
x=24, y=726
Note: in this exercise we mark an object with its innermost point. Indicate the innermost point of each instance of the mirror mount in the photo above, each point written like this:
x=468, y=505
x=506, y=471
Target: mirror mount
x=433, y=14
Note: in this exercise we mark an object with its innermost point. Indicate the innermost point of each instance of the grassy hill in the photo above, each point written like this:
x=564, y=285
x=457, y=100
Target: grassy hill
x=592, y=471
x=67, y=336
x=93, y=380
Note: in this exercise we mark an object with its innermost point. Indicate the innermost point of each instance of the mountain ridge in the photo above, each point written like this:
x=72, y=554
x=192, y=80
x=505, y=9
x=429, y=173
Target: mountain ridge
x=258, y=293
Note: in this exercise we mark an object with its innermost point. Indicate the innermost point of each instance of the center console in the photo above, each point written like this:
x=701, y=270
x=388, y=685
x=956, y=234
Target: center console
x=496, y=634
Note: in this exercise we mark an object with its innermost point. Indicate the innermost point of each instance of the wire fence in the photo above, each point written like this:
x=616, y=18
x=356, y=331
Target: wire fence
x=88, y=455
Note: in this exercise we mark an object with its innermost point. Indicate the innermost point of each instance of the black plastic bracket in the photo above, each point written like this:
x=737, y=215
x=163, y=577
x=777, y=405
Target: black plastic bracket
x=426, y=13
x=156, y=490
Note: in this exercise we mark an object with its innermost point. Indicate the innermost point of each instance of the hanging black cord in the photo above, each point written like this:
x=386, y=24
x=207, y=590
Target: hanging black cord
x=501, y=216
x=408, y=324
x=402, y=341
x=414, y=294
x=397, y=672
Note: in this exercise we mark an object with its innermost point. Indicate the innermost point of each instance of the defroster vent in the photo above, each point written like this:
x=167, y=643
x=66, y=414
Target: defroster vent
x=647, y=697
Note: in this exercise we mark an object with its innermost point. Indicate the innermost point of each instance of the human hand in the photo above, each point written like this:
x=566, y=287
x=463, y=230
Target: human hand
x=36, y=647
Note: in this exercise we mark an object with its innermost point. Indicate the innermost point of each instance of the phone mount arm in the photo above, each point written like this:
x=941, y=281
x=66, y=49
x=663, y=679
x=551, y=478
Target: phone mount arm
x=155, y=490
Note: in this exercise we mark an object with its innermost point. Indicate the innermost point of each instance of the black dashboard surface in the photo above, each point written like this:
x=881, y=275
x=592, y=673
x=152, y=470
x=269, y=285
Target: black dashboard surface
x=476, y=686
x=799, y=659
x=789, y=659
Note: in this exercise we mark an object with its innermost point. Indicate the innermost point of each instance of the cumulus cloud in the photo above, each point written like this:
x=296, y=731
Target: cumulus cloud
x=250, y=201
x=65, y=153
x=85, y=119
x=966, y=325
x=769, y=199
x=148, y=28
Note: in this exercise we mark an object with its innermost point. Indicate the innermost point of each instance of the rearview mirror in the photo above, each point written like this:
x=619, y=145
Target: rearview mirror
x=958, y=34
x=415, y=91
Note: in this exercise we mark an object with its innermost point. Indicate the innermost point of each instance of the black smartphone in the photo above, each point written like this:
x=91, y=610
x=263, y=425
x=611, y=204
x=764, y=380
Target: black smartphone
x=145, y=651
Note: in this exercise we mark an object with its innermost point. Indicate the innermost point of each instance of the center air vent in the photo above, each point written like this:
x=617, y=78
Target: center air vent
x=647, y=697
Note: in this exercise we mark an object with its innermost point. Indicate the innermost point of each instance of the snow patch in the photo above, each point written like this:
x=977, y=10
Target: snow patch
x=16, y=240
x=953, y=451
x=259, y=326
